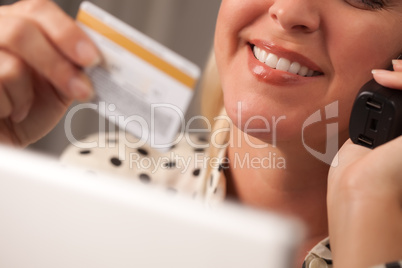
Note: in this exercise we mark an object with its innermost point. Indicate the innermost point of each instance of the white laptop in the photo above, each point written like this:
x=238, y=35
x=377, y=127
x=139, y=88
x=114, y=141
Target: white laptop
x=55, y=217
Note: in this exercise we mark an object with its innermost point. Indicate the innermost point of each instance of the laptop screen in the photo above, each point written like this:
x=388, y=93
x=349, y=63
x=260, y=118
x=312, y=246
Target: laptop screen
x=54, y=216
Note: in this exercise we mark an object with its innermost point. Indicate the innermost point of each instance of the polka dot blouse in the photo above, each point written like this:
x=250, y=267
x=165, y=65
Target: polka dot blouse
x=182, y=170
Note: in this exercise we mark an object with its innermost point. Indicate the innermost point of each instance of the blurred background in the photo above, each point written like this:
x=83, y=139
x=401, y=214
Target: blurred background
x=184, y=26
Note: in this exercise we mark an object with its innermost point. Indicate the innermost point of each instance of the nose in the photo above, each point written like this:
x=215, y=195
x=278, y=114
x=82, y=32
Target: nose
x=296, y=15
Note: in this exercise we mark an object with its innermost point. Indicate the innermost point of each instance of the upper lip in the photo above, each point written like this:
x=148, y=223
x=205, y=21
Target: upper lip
x=287, y=54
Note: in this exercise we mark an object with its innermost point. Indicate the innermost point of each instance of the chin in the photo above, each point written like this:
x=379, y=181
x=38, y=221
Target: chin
x=266, y=125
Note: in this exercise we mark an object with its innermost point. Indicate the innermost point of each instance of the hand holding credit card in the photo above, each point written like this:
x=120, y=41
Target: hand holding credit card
x=142, y=86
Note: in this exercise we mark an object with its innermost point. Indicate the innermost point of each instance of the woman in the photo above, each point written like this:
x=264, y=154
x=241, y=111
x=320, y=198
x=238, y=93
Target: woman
x=340, y=42
x=279, y=62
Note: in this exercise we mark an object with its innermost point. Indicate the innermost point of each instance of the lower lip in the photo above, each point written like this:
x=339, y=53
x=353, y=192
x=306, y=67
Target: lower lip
x=272, y=76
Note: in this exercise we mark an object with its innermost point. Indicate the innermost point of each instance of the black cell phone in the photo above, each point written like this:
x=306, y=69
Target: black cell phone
x=376, y=115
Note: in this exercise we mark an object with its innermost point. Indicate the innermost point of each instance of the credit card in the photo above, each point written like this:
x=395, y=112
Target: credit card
x=142, y=86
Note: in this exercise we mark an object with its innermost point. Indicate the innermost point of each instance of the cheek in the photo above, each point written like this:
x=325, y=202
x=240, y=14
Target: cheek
x=241, y=12
x=233, y=17
x=365, y=46
x=352, y=62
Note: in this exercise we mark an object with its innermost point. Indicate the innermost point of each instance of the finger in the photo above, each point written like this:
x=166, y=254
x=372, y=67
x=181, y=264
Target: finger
x=348, y=155
x=351, y=152
x=388, y=156
x=16, y=78
x=391, y=79
x=397, y=64
x=5, y=103
x=59, y=28
x=47, y=110
x=25, y=40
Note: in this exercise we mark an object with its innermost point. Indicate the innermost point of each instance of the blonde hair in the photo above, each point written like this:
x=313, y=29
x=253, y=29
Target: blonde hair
x=212, y=106
x=212, y=102
x=211, y=90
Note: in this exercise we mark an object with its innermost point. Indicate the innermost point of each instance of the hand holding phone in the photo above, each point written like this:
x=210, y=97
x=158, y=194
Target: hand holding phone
x=376, y=115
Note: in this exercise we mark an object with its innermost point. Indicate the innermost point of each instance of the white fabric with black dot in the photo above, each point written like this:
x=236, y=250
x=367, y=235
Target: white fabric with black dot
x=177, y=178
x=319, y=256
x=196, y=181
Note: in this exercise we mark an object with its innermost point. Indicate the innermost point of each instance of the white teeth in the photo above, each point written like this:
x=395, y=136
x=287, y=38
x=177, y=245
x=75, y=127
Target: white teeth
x=294, y=68
x=271, y=60
x=303, y=71
x=256, y=52
x=263, y=56
x=282, y=64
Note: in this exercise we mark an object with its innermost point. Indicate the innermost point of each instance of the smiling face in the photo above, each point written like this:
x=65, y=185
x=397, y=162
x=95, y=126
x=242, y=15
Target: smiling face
x=293, y=57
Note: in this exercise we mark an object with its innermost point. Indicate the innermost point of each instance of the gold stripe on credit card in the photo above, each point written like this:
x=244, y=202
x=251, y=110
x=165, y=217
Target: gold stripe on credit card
x=139, y=51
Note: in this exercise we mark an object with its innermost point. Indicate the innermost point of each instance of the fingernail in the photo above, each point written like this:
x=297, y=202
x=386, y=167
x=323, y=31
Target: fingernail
x=396, y=62
x=81, y=88
x=379, y=71
x=88, y=54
